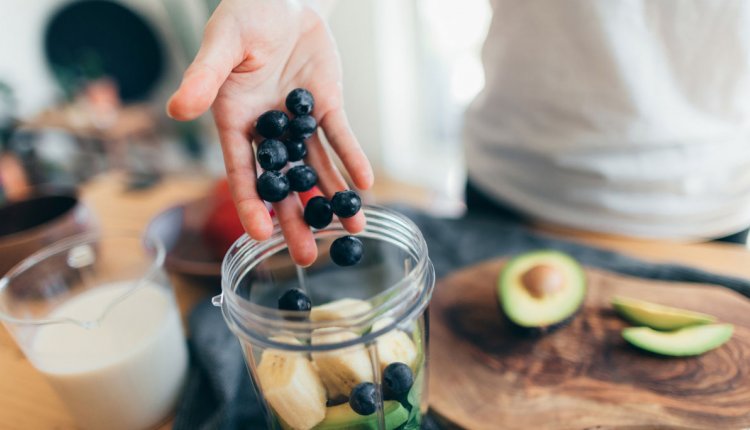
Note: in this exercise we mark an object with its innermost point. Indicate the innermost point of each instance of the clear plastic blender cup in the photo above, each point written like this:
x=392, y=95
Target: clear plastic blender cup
x=96, y=315
x=305, y=366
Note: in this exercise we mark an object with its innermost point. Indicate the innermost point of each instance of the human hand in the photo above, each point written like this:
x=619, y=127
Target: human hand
x=253, y=53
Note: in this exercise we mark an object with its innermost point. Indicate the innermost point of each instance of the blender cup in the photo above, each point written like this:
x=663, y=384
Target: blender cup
x=96, y=316
x=364, y=338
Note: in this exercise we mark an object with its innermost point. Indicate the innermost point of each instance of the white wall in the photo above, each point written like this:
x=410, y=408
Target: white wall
x=354, y=28
x=22, y=64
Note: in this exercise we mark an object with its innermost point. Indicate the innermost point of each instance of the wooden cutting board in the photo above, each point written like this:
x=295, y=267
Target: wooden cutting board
x=483, y=376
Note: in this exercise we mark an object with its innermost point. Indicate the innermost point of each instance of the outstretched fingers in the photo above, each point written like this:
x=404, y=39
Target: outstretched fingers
x=219, y=54
x=240, y=165
x=297, y=233
x=335, y=125
x=330, y=180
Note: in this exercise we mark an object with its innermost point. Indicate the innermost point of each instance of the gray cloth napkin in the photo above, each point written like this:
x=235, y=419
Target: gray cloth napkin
x=220, y=394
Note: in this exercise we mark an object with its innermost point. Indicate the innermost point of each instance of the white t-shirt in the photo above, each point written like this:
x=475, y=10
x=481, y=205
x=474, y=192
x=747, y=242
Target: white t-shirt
x=629, y=117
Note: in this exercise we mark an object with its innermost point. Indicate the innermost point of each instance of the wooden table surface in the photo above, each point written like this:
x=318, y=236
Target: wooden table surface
x=484, y=375
x=28, y=403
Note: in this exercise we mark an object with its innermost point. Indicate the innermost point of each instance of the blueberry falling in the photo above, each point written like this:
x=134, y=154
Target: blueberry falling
x=294, y=300
x=346, y=251
x=284, y=143
x=318, y=212
x=346, y=204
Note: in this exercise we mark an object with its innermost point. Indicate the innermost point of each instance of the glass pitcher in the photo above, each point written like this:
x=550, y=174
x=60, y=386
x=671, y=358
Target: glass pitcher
x=366, y=320
x=96, y=315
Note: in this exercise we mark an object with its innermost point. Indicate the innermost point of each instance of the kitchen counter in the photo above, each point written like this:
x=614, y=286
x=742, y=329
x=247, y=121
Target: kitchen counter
x=27, y=402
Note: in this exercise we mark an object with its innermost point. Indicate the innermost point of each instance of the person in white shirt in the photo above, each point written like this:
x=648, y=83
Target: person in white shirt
x=626, y=117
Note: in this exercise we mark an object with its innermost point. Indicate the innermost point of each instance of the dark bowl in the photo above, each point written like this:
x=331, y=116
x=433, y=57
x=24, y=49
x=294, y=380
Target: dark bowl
x=42, y=218
x=188, y=253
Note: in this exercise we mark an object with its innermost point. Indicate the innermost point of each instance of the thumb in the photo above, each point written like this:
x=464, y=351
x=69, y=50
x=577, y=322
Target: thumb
x=201, y=82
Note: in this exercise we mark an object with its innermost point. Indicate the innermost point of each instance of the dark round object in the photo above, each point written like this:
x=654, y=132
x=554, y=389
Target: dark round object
x=88, y=39
x=302, y=126
x=272, y=154
x=273, y=186
x=318, y=212
x=272, y=124
x=301, y=178
x=346, y=204
x=294, y=300
x=363, y=398
x=397, y=380
x=21, y=215
x=296, y=149
x=300, y=102
x=346, y=251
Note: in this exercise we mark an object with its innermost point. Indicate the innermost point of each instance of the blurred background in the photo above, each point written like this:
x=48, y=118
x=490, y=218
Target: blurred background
x=83, y=86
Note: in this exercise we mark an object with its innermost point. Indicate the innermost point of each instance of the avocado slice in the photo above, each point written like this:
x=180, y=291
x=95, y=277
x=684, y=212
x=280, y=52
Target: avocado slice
x=658, y=316
x=687, y=341
x=343, y=417
x=540, y=291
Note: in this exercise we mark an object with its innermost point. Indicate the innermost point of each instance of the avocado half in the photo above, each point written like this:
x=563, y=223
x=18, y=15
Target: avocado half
x=658, y=316
x=343, y=417
x=684, y=342
x=540, y=291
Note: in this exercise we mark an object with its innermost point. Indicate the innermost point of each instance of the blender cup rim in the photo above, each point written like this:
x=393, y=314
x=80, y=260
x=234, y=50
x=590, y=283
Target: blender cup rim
x=153, y=247
x=396, y=301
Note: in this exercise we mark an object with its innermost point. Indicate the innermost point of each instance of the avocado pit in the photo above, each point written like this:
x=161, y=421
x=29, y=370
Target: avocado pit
x=543, y=280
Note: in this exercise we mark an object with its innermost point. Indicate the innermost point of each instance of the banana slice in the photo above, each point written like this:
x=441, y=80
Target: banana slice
x=292, y=387
x=394, y=346
x=340, y=370
x=339, y=309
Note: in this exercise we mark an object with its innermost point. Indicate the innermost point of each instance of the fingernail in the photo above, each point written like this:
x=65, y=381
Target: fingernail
x=169, y=103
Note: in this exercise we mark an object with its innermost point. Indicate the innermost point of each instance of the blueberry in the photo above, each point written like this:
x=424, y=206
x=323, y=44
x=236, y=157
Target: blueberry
x=294, y=300
x=272, y=154
x=346, y=251
x=318, y=212
x=300, y=102
x=303, y=126
x=363, y=398
x=273, y=186
x=272, y=124
x=397, y=380
x=301, y=178
x=296, y=149
x=346, y=203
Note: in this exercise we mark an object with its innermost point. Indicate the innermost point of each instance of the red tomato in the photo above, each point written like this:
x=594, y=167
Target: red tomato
x=222, y=227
